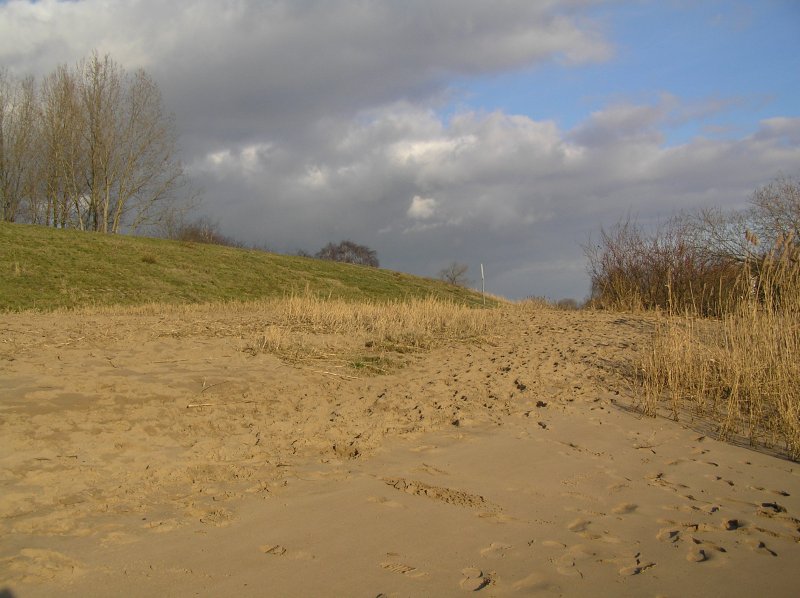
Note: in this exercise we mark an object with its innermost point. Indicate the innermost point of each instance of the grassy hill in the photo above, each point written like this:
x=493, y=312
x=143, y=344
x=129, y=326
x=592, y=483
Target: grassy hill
x=43, y=268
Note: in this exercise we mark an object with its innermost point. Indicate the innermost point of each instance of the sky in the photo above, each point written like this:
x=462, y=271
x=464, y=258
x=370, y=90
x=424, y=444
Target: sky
x=495, y=132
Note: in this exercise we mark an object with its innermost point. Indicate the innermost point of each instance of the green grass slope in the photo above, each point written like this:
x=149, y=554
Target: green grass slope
x=43, y=268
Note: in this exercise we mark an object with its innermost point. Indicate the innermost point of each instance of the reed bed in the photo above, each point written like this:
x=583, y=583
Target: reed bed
x=740, y=371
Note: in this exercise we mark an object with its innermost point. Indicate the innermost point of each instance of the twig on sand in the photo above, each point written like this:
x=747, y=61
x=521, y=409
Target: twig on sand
x=205, y=388
x=69, y=342
x=335, y=374
x=192, y=405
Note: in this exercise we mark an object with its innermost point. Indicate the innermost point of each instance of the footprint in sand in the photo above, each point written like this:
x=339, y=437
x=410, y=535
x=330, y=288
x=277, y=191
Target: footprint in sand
x=762, y=489
x=578, y=525
x=474, y=579
x=668, y=534
x=430, y=469
x=424, y=448
x=118, y=538
x=731, y=524
x=385, y=502
x=164, y=525
x=496, y=550
x=759, y=547
x=274, y=549
x=36, y=564
x=702, y=550
x=696, y=555
x=533, y=582
x=632, y=565
x=624, y=508
x=279, y=550
x=406, y=570
x=565, y=565
x=218, y=517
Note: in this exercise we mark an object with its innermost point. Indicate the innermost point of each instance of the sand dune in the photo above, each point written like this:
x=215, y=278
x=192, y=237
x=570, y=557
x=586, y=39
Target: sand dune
x=156, y=454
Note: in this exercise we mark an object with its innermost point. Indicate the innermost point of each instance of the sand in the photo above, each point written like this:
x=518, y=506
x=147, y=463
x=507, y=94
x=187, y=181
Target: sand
x=147, y=455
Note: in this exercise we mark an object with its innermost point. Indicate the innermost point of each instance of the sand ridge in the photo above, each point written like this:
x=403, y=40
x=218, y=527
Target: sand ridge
x=155, y=453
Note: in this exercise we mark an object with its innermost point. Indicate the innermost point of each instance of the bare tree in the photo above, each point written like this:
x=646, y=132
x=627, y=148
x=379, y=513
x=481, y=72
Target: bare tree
x=130, y=145
x=349, y=252
x=62, y=173
x=455, y=274
x=703, y=261
x=747, y=235
x=718, y=235
x=775, y=211
x=17, y=143
x=633, y=267
x=100, y=90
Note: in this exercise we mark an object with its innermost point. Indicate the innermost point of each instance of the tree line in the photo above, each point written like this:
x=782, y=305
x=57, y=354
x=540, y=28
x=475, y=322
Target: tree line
x=88, y=147
x=706, y=261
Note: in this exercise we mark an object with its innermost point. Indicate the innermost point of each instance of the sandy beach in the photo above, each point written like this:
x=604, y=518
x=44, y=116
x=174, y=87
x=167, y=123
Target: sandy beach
x=159, y=454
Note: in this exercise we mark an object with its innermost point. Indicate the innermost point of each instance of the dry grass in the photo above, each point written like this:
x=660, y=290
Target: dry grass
x=535, y=303
x=394, y=327
x=418, y=323
x=369, y=336
x=741, y=371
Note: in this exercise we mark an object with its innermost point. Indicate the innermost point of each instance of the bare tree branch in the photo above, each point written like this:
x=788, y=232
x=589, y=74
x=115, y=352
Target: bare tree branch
x=456, y=274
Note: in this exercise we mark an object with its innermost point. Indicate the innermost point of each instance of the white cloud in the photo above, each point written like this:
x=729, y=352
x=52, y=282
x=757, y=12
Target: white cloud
x=235, y=69
x=782, y=129
x=422, y=208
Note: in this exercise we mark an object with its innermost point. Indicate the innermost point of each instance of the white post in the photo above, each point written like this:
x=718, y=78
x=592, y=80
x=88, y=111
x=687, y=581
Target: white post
x=483, y=286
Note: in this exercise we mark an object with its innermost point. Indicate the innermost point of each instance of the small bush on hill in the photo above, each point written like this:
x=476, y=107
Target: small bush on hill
x=350, y=253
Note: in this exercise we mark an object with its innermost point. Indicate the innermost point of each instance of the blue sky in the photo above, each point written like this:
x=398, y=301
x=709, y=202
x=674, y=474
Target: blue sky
x=502, y=132
x=742, y=56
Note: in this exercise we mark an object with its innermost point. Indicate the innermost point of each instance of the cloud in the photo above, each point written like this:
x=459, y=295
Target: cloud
x=247, y=69
x=422, y=208
x=309, y=121
x=517, y=194
x=623, y=122
x=783, y=130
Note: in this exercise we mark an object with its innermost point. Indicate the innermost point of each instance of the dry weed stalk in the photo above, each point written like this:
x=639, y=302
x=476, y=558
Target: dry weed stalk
x=741, y=371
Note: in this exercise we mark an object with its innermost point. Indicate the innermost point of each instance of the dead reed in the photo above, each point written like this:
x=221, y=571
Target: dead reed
x=742, y=370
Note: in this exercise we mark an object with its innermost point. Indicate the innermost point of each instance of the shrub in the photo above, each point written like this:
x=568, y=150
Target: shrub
x=455, y=274
x=202, y=230
x=349, y=252
x=633, y=269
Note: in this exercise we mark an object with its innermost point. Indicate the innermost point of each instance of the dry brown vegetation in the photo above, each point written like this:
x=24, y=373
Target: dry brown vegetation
x=740, y=371
x=726, y=347
x=381, y=332
x=370, y=336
